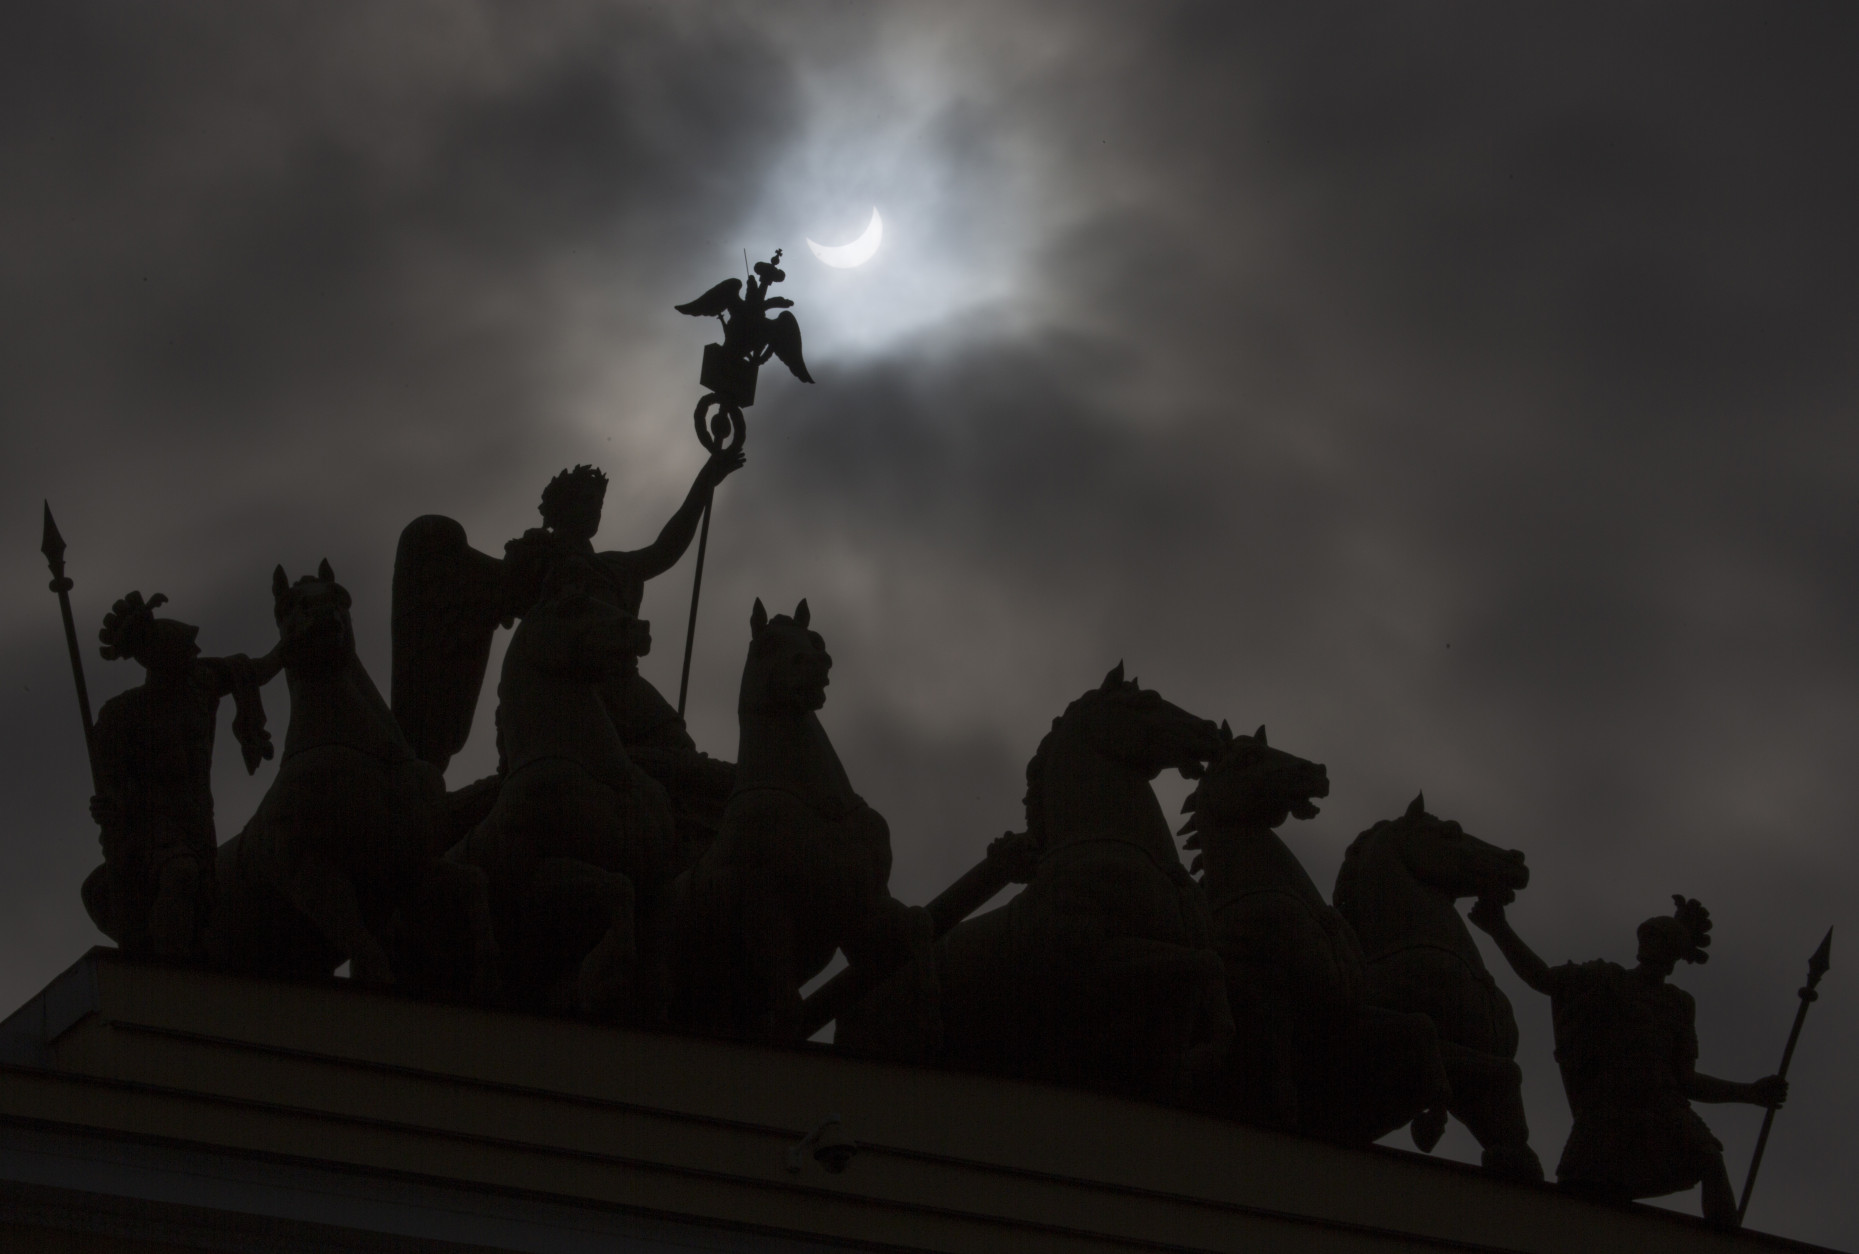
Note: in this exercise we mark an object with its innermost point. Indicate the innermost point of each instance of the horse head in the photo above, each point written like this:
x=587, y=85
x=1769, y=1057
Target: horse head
x=1089, y=778
x=314, y=631
x=1134, y=727
x=1248, y=783
x=1439, y=854
x=573, y=636
x=1396, y=888
x=788, y=664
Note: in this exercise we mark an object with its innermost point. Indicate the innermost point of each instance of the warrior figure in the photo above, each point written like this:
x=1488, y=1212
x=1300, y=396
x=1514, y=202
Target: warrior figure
x=1627, y=1046
x=449, y=600
x=153, y=749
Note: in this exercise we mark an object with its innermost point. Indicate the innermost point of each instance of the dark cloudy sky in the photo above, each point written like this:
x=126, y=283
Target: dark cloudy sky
x=1466, y=392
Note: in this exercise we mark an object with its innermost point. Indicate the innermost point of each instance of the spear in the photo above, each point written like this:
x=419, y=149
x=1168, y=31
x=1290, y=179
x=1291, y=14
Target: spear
x=1816, y=967
x=1009, y=859
x=53, y=546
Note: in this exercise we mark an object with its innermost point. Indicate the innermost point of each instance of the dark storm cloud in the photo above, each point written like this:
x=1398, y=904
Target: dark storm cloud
x=1463, y=392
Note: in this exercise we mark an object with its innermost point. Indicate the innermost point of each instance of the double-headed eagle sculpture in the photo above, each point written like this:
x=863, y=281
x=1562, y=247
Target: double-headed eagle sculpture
x=750, y=336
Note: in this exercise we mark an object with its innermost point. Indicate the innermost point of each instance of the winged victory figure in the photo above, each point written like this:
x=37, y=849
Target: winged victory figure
x=450, y=598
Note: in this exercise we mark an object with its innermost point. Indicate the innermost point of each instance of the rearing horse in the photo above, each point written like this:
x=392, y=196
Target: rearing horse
x=800, y=866
x=343, y=851
x=1312, y=1054
x=578, y=844
x=1397, y=886
x=1102, y=973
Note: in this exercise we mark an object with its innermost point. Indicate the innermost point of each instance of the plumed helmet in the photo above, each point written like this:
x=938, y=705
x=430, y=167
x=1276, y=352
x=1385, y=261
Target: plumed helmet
x=125, y=627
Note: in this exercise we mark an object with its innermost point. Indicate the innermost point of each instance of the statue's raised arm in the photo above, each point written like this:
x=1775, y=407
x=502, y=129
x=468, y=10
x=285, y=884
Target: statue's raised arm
x=663, y=553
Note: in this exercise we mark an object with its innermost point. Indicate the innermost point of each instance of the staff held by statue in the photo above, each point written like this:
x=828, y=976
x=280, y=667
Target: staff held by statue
x=750, y=338
x=53, y=546
x=1817, y=967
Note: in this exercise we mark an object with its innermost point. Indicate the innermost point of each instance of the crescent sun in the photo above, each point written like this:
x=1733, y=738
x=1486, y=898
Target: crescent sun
x=859, y=251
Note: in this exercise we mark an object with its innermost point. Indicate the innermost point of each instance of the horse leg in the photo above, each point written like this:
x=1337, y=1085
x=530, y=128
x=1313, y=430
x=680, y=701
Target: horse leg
x=319, y=889
x=466, y=889
x=1487, y=1096
x=901, y=1018
x=768, y=977
x=610, y=967
x=1170, y=1005
x=1367, y=1078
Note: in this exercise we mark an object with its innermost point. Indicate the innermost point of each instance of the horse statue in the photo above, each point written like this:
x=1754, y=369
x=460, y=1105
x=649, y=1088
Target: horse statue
x=578, y=844
x=341, y=860
x=800, y=867
x=1102, y=973
x=1312, y=1054
x=1397, y=886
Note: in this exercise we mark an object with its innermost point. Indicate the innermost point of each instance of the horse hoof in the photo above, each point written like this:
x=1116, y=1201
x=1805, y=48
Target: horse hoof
x=1427, y=1128
x=605, y=974
x=1513, y=1162
x=374, y=971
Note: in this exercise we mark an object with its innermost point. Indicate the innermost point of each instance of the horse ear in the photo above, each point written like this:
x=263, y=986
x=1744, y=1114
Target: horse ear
x=1260, y=734
x=280, y=582
x=758, y=619
x=324, y=572
x=1114, y=679
x=1418, y=806
x=802, y=614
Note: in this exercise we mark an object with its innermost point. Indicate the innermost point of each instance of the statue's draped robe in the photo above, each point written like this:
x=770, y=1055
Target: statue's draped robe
x=154, y=761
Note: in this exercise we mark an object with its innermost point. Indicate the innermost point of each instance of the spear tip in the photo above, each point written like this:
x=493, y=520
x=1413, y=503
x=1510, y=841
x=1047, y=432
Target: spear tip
x=52, y=544
x=1818, y=965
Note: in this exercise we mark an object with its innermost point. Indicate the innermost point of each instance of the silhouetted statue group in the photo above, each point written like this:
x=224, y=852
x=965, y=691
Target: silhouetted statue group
x=611, y=870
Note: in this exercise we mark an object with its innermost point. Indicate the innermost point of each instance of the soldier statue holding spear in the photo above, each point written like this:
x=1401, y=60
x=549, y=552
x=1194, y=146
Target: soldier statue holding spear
x=1627, y=1046
x=151, y=759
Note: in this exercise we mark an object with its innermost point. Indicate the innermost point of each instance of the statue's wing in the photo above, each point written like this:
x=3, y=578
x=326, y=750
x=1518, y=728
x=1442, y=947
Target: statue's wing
x=446, y=609
x=719, y=299
x=784, y=338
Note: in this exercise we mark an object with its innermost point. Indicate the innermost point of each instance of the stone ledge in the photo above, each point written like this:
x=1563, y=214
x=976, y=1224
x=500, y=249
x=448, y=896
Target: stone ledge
x=208, y=1078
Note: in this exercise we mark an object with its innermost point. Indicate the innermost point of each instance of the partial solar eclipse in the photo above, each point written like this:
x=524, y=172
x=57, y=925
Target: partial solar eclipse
x=858, y=252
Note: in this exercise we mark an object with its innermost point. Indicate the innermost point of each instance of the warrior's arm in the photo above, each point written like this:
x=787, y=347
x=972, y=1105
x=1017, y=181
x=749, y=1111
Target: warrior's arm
x=1768, y=1091
x=241, y=677
x=1488, y=915
x=225, y=675
x=663, y=553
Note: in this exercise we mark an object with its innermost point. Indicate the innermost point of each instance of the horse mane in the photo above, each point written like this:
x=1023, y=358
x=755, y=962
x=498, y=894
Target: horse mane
x=1035, y=799
x=1350, y=872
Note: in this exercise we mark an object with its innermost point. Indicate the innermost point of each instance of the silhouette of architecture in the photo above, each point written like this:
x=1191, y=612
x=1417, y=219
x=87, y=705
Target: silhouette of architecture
x=580, y=1008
